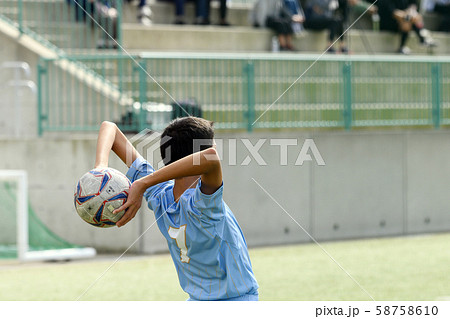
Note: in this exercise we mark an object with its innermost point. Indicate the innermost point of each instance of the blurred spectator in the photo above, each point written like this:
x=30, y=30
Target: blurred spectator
x=275, y=15
x=144, y=11
x=441, y=7
x=295, y=8
x=320, y=15
x=402, y=16
x=82, y=9
x=204, y=12
x=179, y=11
x=200, y=12
x=104, y=12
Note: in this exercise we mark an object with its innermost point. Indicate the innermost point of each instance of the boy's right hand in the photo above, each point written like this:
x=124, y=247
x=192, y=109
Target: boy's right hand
x=132, y=205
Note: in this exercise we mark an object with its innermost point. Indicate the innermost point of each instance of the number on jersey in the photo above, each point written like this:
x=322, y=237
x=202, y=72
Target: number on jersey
x=179, y=234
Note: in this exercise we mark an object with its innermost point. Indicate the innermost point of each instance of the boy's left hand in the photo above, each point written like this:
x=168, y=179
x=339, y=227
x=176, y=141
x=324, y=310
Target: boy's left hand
x=132, y=204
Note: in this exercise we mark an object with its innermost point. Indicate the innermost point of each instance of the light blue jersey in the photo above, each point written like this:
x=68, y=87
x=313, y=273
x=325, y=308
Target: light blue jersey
x=206, y=243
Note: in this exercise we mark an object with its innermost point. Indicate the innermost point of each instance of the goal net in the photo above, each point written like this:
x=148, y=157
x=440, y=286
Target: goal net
x=22, y=234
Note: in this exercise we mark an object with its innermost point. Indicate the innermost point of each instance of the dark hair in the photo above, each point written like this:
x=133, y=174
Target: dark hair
x=179, y=137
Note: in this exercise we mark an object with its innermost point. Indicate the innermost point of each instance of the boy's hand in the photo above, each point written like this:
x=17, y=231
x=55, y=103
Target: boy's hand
x=132, y=204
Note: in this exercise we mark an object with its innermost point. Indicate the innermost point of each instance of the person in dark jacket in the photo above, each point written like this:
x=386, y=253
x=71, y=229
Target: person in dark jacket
x=320, y=15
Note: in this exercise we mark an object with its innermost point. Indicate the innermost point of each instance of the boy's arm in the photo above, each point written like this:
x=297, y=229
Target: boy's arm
x=205, y=163
x=110, y=137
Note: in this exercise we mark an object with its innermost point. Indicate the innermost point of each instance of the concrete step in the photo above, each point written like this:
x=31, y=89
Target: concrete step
x=367, y=42
x=208, y=38
x=248, y=39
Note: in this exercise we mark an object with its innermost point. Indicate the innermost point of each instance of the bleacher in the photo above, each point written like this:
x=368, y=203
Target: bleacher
x=242, y=37
x=61, y=29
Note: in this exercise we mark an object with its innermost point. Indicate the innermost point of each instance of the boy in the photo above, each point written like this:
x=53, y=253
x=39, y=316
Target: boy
x=205, y=241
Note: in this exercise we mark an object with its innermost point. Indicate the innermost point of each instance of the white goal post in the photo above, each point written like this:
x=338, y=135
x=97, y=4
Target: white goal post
x=20, y=177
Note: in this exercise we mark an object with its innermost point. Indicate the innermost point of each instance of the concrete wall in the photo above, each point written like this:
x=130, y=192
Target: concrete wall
x=373, y=184
x=12, y=49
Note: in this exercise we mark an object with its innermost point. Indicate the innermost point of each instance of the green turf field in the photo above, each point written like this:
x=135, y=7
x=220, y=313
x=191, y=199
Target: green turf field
x=406, y=268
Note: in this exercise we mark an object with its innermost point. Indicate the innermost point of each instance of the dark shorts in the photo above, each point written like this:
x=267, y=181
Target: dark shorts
x=280, y=25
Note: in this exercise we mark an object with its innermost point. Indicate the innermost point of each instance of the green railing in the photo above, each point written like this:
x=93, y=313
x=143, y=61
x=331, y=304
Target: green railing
x=239, y=91
x=63, y=26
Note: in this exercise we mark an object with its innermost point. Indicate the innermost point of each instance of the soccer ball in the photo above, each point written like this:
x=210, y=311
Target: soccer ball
x=98, y=193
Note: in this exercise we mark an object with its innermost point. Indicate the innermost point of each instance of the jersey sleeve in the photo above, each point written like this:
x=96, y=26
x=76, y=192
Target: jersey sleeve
x=209, y=206
x=141, y=168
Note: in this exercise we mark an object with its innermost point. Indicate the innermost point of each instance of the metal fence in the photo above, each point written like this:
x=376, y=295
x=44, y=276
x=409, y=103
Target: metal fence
x=239, y=91
x=66, y=24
